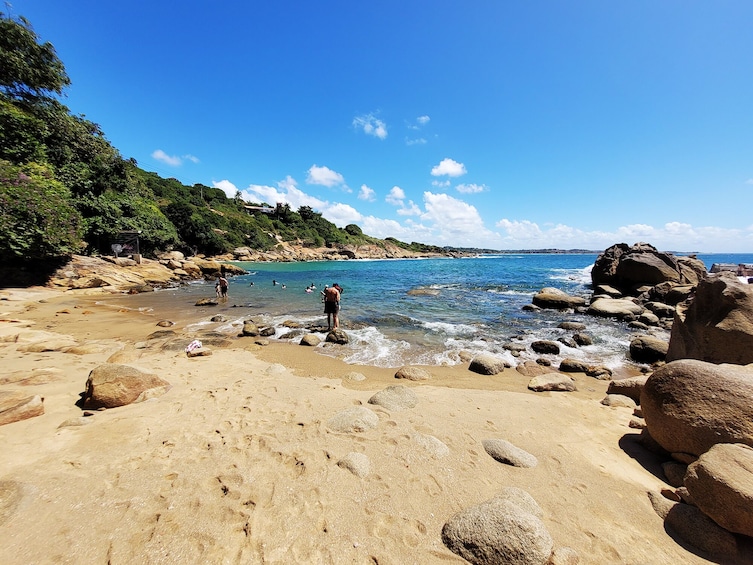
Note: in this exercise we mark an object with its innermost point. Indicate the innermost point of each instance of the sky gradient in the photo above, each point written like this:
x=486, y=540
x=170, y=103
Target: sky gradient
x=494, y=124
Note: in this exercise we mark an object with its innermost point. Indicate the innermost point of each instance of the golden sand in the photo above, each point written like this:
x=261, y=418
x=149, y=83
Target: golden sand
x=237, y=464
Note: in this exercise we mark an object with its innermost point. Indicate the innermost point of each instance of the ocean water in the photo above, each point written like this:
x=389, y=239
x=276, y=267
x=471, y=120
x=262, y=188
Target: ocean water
x=471, y=304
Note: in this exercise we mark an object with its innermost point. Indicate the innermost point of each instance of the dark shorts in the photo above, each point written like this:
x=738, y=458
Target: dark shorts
x=331, y=307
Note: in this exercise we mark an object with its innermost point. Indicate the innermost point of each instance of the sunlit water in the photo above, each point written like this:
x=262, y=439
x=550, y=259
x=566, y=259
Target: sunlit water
x=474, y=305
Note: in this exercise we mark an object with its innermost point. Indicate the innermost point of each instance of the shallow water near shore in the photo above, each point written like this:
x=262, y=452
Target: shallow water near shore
x=423, y=311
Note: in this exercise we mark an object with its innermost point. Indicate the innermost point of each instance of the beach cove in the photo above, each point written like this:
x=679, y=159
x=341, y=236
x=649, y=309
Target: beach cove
x=240, y=461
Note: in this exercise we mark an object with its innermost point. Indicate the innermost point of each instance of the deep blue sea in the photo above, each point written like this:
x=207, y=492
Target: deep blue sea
x=477, y=305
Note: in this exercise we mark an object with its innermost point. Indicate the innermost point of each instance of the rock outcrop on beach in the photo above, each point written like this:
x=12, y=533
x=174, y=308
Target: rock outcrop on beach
x=720, y=484
x=690, y=406
x=112, y=385
x=18, y=405
x=117, y=275
x=630, y=269
x=716, y=325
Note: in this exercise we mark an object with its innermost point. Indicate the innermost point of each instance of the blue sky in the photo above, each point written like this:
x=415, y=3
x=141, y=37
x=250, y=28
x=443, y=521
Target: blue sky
x=489, y=123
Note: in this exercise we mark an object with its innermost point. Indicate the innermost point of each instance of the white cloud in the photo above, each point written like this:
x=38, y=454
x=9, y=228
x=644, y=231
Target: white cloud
x=286, y=192
x=420, y=122
x=366, y=193
x=172, y=160
x=449, y=167
x=382, y=228
x=471, y=188
x=324, y=176
x=441, y=183
x=371, y=125
x=523, y=230
x=410, y=210
x=227, y=187
x=342, y=214
x=672, y=236
x=447, y=220
x=451, y=214
x=396, y=196
x=418, y=141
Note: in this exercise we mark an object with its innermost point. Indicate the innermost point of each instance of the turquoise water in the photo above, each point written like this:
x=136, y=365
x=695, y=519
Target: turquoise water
x=475, y=305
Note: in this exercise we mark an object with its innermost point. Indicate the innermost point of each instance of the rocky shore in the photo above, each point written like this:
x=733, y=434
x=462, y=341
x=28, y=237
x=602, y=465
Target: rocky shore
x=134, y=439
x=124, y=274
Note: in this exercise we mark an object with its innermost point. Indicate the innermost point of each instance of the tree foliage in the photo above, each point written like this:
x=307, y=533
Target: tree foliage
x=29, y=70
x=36, y=218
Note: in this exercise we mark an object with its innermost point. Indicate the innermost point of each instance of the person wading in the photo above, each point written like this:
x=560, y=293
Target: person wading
x=332, y=306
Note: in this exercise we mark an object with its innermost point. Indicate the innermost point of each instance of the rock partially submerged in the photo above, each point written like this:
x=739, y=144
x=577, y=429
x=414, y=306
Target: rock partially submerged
x=557, y=299
x=487, y=364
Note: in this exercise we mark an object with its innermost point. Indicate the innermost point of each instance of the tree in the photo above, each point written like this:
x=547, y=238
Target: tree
x=353, y=229
x=29, y=70
x=21, y=135
x=37, y=219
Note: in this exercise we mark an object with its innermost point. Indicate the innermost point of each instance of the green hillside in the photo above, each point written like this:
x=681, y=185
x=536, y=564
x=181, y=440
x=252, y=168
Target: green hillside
x=65, y=189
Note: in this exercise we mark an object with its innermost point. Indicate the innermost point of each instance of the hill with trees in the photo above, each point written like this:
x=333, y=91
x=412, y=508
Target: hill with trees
x=64, y=189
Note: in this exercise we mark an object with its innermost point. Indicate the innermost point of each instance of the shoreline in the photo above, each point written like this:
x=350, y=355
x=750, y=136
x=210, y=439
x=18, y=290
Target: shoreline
x=240, y=449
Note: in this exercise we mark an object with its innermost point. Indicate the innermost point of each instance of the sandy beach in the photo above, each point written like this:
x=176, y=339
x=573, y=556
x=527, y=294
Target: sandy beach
x=238, y=461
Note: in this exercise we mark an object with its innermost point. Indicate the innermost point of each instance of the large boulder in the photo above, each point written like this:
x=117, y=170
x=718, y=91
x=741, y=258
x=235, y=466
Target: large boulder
x=629, y=267
x=720, y=483
x=690, y=405
x=506, y=529
x=717, y=324
x=111, y=385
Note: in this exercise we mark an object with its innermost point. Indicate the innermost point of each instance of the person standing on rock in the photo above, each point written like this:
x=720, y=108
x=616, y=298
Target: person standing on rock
x=332, y=306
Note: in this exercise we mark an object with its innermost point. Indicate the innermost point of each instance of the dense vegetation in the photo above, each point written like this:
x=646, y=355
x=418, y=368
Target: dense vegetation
x=65, y=189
